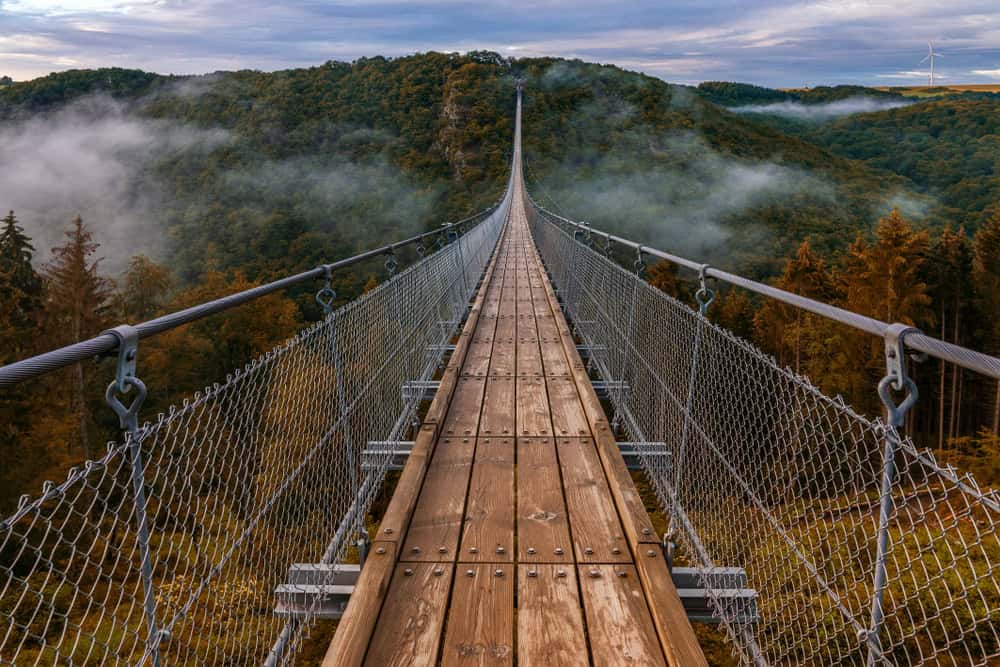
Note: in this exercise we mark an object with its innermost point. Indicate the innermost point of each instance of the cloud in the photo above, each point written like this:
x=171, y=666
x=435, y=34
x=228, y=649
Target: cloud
x=991, y=73
x=823, y=111
x=785, y=42
x=92, y=159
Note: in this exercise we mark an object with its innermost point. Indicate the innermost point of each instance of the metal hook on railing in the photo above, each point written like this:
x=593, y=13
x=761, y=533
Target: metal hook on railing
x=639, y=264
x=896, y=376
x=705, y=295
x=125, y=378
x=391, y=262
x=608, y=246
x=327, y=294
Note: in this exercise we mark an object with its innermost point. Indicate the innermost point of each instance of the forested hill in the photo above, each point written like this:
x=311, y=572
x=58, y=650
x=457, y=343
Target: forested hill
x=273, y=172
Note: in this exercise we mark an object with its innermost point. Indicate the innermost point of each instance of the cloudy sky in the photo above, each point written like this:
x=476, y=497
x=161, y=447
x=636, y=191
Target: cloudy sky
x=771, y=42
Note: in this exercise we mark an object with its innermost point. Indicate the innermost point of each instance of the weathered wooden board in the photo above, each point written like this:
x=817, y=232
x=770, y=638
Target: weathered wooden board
x=497, y=418
x=568, y=417
x=488, y=535
x=463, y=414
x=597, y=532
x=542, y=526
x=529, y=357
x=481, y=619
x=549, y=618
x=437, y=519
x=503, y=358
x=621, y=630
x=533, y=418
x=408, y=631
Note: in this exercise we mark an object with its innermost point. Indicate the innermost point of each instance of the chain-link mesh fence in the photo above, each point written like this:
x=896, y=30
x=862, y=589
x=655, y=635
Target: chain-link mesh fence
x=774, y=489
x=168, y=549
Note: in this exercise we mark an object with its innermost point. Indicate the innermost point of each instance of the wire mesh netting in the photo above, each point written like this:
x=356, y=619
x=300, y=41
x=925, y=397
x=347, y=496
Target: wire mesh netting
x=774, y=488
x=240, y=481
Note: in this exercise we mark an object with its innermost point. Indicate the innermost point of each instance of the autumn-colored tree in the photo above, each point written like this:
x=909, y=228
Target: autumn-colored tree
x=663, y=276
x=20, y=291
x=784, y=330
x=987, y=281
x=881, y=280
x=144, y=289
x=77, y=309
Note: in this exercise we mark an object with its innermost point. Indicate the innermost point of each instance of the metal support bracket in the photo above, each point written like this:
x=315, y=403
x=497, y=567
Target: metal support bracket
x=705, y=295
x=125, y=378
x=327, y=294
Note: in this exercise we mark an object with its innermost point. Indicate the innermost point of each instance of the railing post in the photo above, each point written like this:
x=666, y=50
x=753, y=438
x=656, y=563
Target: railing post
x=128, y=417
x=895, y=378
x=704, y=296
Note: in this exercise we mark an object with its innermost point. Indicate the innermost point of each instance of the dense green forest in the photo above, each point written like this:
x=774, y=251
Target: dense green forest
x=256, y=175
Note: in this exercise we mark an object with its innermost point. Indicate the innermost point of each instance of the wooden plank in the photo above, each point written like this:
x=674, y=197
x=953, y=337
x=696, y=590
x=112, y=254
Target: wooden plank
x=568, y=417
x=408, y=631
x=553, y=359
x=542, y=527
x=526, y=326
x=597, y=532
x=488, y=535
x=463, y=413
x=404, y=498
x=621, y=630
x=532, y=407
x=508, y=307
x=549, y=618
x=547, y=329
x=506, y=328
x=481, y=619
x=355, y=628
x=437, y=519
x=497, y=418
x=529, y=358
x=477, y=361
x=503, y=358
x=677, y=637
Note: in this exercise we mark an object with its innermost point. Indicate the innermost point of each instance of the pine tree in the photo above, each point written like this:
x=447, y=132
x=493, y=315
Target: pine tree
x=78, y=304
x=950, y=274
x=784, y=330
x=987, y=281
x=20, y=292
x=145, y=285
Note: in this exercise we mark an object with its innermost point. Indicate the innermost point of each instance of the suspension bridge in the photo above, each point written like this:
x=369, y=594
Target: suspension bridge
x=579, y=469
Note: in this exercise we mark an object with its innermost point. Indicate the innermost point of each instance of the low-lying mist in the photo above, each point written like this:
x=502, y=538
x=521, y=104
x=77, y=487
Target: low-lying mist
x=824, y=110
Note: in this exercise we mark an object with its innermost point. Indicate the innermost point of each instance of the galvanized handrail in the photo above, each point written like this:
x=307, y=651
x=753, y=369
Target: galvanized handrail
x=107, y=341
x=977, y=361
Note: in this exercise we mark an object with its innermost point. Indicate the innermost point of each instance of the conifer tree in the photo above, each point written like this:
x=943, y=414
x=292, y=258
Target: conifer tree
x=20, y=292
x=987, y=283
x=78, y=303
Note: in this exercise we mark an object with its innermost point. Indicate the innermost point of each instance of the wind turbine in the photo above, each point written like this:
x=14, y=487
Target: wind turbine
x=931, y=54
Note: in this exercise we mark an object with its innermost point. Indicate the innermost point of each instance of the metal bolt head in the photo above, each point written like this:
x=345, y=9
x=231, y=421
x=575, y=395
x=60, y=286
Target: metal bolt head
x=388, y=531
x=531, y=550
x=438, y=571
x=498, y=572
x=588, y=551
x=651, y=553
x=532, y=573
x=470, y=573
x=646, y=531
x=595, y=574
x=473, y=550
x=442, y=550
x=380, y=550
x=408, y=571
x=500, y=550
x=561, y=573
x=623, y=574
x=558, y=551
x=616, y=551
x=415, y=550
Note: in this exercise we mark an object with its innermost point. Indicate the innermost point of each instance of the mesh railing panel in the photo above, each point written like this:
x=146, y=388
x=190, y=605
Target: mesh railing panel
x=242, y=480
x=764, y=472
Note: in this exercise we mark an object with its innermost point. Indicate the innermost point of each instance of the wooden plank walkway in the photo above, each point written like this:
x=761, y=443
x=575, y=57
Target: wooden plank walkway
x=515, y=535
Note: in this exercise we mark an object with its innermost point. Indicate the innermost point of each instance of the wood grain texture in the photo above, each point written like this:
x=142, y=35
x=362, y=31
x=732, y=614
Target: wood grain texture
x=356, y=626
x=542, y=526
x=481, y=619
x=488, y=534
x=408, y=631
x=597, y=532
x=437, y=519
x=498, y=407
x=463, y=414
x=680, y=644
x=568, y=417
x=533, y=417
x=549, y=618
x=502, y=361
x=618, y=620
x=529, y=357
